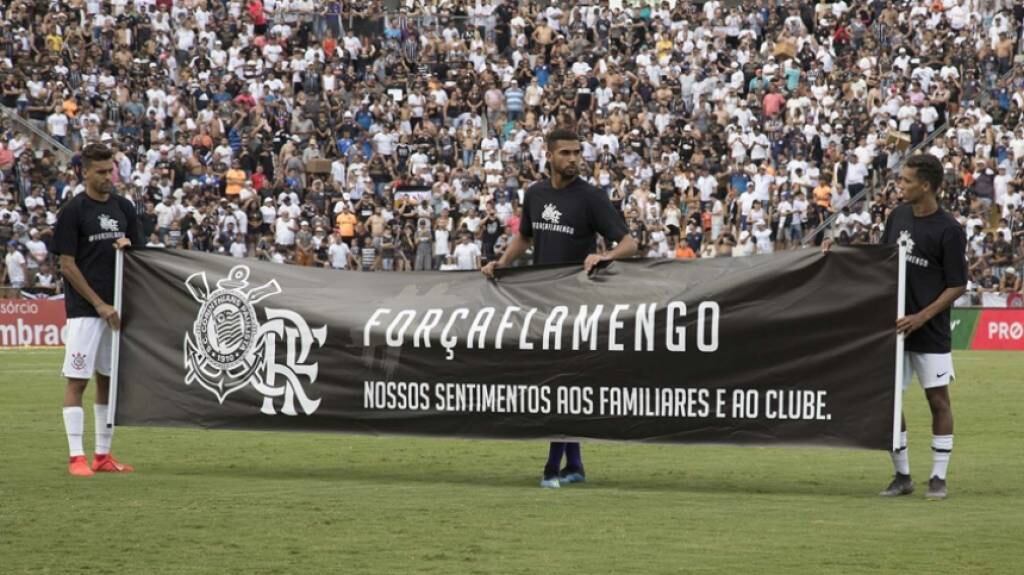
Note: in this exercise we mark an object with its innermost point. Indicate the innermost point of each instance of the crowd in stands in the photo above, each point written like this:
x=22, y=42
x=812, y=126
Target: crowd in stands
x=395, y=136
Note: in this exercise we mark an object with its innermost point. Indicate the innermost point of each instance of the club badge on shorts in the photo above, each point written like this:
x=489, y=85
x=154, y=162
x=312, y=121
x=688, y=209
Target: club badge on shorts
x=228, y=348
x=78, y=361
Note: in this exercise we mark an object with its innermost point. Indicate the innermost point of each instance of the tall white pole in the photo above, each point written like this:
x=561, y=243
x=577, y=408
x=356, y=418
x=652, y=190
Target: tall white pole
x=115, y=345
x=901, y=310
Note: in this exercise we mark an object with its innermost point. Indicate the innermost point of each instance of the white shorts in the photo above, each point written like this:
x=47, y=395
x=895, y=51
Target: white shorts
x=932, y=369
x=87, y=348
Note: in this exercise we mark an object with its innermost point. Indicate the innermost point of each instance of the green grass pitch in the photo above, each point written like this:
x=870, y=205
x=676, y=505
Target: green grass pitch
x=245, y=502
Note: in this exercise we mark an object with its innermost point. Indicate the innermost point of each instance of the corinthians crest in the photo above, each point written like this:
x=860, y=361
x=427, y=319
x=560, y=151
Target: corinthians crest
x=228, y=348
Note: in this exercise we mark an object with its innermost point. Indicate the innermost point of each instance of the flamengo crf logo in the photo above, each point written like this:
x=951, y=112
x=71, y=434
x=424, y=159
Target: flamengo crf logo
x=108, y=223
x=551, y=213
x=228, y=348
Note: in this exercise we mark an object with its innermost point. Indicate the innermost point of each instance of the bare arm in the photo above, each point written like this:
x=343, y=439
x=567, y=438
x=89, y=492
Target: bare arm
x=911, y=323
x=69, y=269
x=626, y=248
x=515, y=248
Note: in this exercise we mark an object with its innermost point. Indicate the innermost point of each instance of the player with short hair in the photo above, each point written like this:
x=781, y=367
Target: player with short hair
x=562, y=216
x=90, y=227
x=936, y=277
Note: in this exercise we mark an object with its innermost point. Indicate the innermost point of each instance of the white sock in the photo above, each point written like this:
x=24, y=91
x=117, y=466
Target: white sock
x=942, y=448
x=104, y=434
x=74, y=426
x=901, y=457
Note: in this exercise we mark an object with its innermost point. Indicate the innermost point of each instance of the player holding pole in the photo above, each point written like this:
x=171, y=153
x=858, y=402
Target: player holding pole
x=90, y=227
x=936, y=277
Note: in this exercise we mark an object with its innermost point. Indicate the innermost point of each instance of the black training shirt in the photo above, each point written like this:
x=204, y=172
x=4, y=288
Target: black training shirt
x=935, y=262
x=564, y=223
x=87, y=230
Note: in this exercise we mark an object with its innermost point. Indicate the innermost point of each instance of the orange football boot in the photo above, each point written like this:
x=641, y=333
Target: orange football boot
x=79, y=467
x=107, y=464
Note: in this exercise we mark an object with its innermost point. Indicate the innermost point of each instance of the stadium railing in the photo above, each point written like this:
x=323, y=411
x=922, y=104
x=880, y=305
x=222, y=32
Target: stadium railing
x=378, y=23
x=876, y=183
x=37, y=133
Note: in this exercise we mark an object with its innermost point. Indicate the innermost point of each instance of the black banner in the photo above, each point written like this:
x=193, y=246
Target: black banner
x=796, y=348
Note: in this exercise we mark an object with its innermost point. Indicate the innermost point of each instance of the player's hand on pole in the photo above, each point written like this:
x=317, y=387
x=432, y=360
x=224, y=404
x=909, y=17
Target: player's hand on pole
x=122, y=243
x=911, y=323
x=109, y=315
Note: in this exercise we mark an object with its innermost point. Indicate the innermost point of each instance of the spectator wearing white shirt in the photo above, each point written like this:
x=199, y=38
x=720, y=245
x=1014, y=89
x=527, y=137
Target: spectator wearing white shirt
x=167, y=212
x=762, y=184
x=706, y=185
x=155, y=242
x=289, y=205
x=238, y=248
x=339, y=255
x=763, y=237
x=57, y=125
x=467, y=254
x=745, y=247
x=856, y=173
x=284, y=230
x=35, y=200
x=15, y=265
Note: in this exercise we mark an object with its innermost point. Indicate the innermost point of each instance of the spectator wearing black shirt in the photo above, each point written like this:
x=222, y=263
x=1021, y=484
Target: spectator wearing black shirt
x=562, y=217
x=489, y=231
x=1002, y=255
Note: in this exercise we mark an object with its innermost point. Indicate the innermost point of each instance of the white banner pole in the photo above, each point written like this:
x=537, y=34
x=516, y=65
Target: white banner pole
x=901, y=310
x=115, y=345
